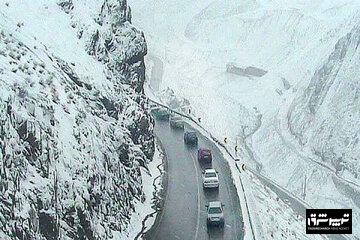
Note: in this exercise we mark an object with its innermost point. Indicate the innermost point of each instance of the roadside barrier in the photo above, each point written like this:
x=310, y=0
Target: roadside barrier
x=224, y=147
x=221, y=144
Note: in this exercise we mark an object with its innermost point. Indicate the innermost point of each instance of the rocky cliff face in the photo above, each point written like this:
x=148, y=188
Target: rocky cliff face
x=74, y=129
x=326, y=116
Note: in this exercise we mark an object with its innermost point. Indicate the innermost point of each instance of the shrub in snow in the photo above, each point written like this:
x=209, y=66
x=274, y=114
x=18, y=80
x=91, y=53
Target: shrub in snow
x=71, y=169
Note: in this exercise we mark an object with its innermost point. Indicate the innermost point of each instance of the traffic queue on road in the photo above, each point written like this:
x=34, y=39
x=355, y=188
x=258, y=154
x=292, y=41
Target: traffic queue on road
x=210, y=178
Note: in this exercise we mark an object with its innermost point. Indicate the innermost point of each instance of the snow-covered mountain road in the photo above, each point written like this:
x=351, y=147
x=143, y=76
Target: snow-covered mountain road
x=184, y=212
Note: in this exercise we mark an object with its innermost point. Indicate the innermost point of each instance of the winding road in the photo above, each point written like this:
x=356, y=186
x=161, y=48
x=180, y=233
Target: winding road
x=183, y=215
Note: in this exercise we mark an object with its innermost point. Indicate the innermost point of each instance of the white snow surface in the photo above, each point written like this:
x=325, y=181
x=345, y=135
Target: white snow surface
x=301, y=119
x=143, y=209
x=75, y=137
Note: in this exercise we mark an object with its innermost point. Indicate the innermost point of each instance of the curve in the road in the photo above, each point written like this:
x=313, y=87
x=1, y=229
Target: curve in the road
x=184, y=212
x=198, y=199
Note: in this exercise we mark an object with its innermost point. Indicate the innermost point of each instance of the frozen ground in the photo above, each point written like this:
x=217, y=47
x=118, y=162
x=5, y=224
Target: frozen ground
x=300, y=120
x=76, y=139
x=274, y=218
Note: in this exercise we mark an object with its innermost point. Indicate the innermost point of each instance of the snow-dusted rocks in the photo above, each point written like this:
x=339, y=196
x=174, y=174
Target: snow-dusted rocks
x=74, y=130
x=66, y=5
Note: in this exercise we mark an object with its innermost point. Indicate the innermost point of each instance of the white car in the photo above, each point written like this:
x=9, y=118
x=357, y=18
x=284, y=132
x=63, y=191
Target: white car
x=210, y=179
x=215, y=214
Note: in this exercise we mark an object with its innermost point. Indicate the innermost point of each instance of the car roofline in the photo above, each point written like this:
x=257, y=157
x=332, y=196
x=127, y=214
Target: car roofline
x=204, y=149
x=215, y=204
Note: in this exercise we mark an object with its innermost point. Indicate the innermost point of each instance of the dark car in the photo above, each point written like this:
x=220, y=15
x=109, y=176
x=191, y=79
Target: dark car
x=190, y=138
x=204, y=155
x=160, y=113
x=176, y=122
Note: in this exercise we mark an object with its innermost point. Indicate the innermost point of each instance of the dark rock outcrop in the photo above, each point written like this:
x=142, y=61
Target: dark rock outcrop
x=71, y=151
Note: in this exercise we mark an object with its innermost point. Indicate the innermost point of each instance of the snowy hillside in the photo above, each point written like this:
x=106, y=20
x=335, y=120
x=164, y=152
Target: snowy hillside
x=75, y=135
x=298, y=124
x=326, y=116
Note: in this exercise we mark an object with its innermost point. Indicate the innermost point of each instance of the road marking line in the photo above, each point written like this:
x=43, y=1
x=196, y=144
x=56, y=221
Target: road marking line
x=198, y=196
x=228, y=180
x=231, y=201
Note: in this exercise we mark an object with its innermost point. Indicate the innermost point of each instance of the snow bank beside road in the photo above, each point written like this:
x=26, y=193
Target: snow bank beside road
x=145, y=212
x=275, y=217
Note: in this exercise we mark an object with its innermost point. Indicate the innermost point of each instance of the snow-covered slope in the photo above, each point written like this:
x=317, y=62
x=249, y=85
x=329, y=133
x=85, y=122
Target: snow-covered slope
x=297, y=124
x=313, y=139
x=75, y=134
x=326, y=116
